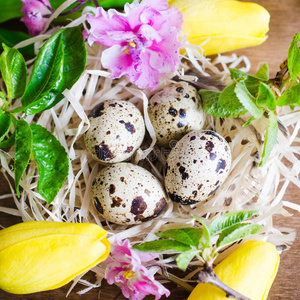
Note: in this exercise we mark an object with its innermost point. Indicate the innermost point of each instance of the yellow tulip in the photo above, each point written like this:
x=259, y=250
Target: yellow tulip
x=226, y=24
x=250, y=270
x=40, y=256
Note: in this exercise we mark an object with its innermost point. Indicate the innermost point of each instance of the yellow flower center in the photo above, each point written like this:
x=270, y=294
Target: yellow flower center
x=128, y=274
x=131, y=44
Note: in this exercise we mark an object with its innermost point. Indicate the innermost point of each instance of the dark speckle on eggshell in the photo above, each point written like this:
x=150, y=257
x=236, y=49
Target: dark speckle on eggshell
x=97, y=111
x=138, y=206
x=212, y=156
x=180, y=89
x=103, y=152
x=221, y=165
x=182, y=113
x=160, y=207
x=98, y=205
x=112, y=189
x=117, y=201
x=209, y=146
x=129, y=149
x=173, y=112
x=129, y=127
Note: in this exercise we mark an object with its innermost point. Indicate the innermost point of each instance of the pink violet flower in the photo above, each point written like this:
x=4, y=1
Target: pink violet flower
x=142, y=42
x=125, y=268
x=36, y=15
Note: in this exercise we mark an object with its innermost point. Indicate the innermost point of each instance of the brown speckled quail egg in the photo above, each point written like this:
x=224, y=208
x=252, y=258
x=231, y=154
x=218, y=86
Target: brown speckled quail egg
x=197, y=166
x=175, y=111
x=125, y=193
x=117, y=130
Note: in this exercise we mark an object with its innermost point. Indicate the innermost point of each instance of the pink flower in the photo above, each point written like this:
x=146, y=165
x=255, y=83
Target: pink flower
x=36, y=15
x=142, y=42
x=125, y=268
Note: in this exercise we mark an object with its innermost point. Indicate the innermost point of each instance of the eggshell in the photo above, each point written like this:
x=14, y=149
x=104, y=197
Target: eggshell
x=128, y=194
x=197, y=166
x=175, y=111
x=117, y=130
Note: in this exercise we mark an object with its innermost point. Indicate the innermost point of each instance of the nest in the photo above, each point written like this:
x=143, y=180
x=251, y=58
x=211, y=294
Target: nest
x=248, y=187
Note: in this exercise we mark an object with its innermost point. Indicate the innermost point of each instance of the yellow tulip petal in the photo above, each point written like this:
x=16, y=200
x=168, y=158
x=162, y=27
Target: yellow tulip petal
x=250, y=270
x=39, y=256
x=224, y=25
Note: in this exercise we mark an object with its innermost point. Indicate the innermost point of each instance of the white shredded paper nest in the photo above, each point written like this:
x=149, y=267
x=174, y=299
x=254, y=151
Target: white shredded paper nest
x=248, y=187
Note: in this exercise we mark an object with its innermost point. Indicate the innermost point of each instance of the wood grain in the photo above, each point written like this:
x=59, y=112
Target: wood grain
x=285, y=21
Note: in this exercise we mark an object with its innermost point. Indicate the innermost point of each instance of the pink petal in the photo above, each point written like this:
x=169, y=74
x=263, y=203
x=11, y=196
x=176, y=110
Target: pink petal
x=149, y=33
x=106, y=29
x=149, y=76
x=157, y=4
x=119, y=62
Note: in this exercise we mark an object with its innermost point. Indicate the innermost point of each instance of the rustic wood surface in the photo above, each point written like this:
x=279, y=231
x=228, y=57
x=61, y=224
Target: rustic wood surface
x=285, y=21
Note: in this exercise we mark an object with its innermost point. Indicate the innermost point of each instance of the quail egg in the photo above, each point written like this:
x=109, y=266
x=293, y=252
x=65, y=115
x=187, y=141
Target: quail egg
x=124, y=193
x=175, y=111
x=197, y=166
x=117, y=130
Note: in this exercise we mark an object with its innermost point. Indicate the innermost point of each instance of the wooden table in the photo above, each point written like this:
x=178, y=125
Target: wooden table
x=285, y=21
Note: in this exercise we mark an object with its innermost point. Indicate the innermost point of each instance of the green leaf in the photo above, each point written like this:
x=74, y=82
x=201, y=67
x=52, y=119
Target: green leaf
x=162, y=245
x=188, y=236
x=184, y=259
x=210, y=104
x=14, y=72
x=248, y=122
x=263, y=72
x=58, y=66
x=237, y=232
x=294, y=57
x=252, y=83
x=23, y=141
x=103, y=3
x=11, y=38
x=52, y=161
x=270, y=138
x=266, y=97
x=248, y=101
x=290, y=97
x=8, y=142
x=206, y=231
x=3, y=102
x=227, y=220
x=10, y=9
x=229, y=101
x=5, y=123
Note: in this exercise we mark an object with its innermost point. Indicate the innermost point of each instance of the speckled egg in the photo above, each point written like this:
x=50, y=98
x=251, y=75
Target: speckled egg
x=128, y=194
x=117, y=130
x=175, y=111
x=197, y=166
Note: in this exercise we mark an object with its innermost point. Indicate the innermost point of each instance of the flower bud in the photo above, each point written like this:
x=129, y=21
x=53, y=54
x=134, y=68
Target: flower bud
x=226, y=25
x=36, y=14
x=250, y=270
x=39, y=256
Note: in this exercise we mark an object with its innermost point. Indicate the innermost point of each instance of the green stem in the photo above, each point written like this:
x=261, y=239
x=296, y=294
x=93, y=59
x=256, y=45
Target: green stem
x=178, y=281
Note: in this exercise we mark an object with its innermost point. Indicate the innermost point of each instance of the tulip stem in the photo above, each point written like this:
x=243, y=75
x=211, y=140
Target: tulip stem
x=209, y=276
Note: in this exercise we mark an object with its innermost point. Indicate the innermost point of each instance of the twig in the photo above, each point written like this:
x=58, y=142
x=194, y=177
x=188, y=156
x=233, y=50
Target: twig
x=178, y=281
x=75, y=8
x=209, y=276
x=277, y=81
x=96, y=3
